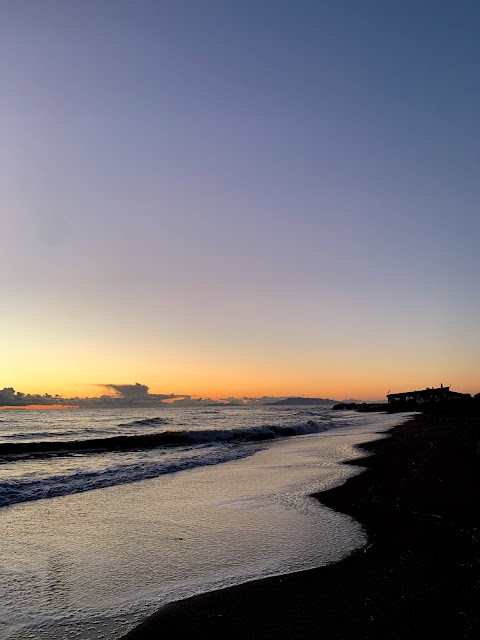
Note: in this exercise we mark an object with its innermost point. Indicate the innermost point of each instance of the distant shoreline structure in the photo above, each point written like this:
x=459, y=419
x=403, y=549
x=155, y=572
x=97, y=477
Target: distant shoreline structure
x=423, y=400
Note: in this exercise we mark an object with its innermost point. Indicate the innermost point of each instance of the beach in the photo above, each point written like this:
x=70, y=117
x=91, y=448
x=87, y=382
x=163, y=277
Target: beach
x=417, y=575
x=96, y=539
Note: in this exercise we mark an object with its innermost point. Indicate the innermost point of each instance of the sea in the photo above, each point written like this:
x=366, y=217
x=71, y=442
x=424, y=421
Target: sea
x=107, y=514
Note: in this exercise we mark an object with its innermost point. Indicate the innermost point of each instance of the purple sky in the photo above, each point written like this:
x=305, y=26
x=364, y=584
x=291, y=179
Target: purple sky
x=234, y=197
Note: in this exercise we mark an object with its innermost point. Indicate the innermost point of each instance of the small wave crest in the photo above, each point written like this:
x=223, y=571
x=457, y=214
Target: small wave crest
x=154, y=440
x=145, y=422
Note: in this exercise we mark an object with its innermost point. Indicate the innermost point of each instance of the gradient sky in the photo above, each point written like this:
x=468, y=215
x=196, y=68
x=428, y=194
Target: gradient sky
x=240, y=197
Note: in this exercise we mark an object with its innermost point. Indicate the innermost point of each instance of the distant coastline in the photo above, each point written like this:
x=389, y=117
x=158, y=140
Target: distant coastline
x=302, y=401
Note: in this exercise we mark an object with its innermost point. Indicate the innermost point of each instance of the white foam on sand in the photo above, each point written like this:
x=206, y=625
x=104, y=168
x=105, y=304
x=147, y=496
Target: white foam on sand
x=94, y=564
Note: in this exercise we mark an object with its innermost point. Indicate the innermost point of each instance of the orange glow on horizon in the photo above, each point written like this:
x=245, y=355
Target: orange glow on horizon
x=40, y=407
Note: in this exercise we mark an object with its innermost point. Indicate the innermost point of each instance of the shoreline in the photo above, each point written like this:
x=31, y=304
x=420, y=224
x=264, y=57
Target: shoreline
x=419, y=572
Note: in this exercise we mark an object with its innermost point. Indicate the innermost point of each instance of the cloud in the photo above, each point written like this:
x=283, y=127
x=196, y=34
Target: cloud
x=11, y=398
x=136, y=390
x=127, y=395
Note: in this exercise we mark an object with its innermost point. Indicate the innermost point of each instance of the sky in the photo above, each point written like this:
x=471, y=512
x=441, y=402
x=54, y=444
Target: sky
x=227, y=198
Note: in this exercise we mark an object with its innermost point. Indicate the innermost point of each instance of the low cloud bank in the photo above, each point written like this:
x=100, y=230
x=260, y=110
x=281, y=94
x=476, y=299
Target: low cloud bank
x=11, y=398
x=126, y=395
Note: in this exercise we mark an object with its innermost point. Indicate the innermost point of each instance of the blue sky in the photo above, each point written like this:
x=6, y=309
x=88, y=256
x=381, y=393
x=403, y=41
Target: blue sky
x=240, y=197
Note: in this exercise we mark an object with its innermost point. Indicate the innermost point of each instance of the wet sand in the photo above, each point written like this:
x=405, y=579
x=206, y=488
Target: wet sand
x=418, y=576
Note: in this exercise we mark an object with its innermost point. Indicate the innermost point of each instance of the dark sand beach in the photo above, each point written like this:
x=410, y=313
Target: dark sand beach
x=419, y=575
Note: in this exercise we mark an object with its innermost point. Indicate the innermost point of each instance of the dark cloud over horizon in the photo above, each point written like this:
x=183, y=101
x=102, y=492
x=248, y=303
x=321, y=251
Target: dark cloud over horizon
x=136, y=390
x=126, y=395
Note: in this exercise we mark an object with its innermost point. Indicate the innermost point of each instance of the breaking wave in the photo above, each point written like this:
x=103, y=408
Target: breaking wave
x=151, y=441
x=49, y=468
x=145, y=422
x=26, y=490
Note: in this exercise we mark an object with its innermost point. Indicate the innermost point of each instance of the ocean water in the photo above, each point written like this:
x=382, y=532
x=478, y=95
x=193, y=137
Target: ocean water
x=107, y=514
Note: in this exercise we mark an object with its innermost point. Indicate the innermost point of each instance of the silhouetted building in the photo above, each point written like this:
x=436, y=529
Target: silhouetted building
x=441, y=394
